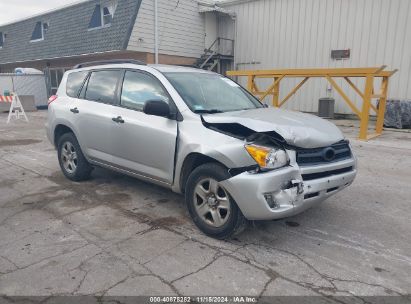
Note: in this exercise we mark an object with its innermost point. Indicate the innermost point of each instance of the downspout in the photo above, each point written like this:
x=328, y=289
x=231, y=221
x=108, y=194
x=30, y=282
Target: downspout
x=156, y=31
x=235, y=67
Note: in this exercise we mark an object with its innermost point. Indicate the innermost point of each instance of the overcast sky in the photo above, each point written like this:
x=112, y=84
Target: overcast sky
x=12, y=10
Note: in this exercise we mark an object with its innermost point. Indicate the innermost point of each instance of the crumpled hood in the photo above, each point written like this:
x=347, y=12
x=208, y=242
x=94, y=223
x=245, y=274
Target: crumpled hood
x=298, y=129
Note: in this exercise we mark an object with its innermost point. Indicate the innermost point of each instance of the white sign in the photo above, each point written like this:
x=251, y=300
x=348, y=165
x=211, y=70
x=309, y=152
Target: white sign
x=16, y=109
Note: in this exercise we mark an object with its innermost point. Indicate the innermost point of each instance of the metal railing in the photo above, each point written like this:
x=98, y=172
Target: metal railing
x=220, y=46
x=367, y=95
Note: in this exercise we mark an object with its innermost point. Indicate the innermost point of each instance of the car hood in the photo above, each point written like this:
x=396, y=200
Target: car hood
x=298, y=129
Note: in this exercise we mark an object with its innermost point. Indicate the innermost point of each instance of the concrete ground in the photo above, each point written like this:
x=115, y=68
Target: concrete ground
x=115, y=235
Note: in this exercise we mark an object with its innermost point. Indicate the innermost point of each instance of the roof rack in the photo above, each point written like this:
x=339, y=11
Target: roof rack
x=112, y=61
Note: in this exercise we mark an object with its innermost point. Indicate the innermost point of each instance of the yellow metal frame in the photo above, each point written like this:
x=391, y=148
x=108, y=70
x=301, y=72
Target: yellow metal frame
x=329, y=74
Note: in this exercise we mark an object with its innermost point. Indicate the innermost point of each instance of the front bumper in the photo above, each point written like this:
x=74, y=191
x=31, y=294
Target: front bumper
x=290, y=193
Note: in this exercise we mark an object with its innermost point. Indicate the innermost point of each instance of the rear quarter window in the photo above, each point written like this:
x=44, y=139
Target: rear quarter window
x=74, y=83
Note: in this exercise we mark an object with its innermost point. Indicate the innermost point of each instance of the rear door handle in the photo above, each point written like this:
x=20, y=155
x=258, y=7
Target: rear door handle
x=118, y=119
x=75, y=110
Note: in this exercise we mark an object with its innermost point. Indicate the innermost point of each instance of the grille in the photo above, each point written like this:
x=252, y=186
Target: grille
x=317, y=175
x=333, y=153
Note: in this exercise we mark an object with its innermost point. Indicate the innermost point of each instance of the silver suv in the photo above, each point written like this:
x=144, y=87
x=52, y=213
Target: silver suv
x=200, y=134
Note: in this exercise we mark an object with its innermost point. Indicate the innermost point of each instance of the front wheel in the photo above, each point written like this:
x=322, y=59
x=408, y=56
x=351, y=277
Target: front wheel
x=211, y=207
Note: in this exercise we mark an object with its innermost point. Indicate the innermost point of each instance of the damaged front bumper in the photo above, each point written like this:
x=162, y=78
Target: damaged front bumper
x=283, y=192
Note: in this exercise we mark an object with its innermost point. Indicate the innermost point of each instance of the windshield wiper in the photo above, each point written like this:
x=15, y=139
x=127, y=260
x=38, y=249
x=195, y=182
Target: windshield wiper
x=211, y=111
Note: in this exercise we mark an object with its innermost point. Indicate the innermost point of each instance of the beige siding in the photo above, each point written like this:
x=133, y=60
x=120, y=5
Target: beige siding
x=302, y=33
x=181, y=28
x=211, y=28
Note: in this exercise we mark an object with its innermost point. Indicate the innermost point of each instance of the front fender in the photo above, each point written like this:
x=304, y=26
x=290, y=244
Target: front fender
x=193, y=137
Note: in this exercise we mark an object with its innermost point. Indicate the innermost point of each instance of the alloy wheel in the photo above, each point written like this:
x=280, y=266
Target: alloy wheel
x=69, y=157
x=211, y=202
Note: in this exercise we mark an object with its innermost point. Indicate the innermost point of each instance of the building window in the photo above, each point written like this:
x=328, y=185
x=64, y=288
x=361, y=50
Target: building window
x=95, y=21
x=38, y=33
x=107, y=15
x=2, y=36
x=102, y=15
x=55, y=78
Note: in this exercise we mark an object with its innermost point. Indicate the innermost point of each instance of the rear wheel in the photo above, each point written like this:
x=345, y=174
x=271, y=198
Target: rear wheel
x=72, y=161
x=211, y=207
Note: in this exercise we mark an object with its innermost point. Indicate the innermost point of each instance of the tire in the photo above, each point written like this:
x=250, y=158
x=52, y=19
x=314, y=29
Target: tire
x=71, y=159
x=211, y=207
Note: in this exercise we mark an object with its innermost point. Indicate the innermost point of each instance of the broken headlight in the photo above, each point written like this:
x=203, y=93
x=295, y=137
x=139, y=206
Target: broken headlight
x=268, y=158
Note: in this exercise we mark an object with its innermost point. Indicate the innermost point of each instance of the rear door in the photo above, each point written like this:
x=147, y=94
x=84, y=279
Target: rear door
x=144, y=143
x=94, y=110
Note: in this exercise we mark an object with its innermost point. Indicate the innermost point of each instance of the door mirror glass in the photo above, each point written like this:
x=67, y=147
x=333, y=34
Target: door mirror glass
x=157, y=108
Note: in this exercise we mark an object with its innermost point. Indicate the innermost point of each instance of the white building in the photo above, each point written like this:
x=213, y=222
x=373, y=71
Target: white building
x=272, y=34
x=221, y=35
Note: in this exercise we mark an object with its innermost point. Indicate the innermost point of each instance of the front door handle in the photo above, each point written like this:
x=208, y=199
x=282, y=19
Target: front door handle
x=75, y=110
x=118, y=119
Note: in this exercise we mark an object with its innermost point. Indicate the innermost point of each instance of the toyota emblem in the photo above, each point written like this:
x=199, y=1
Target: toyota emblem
x=329, y=154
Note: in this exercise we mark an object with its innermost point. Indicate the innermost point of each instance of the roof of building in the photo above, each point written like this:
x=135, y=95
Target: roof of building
x=68, y=33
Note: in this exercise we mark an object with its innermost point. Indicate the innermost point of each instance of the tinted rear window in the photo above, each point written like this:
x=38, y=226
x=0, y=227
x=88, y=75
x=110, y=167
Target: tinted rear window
x=102, y=86
x=74, y=83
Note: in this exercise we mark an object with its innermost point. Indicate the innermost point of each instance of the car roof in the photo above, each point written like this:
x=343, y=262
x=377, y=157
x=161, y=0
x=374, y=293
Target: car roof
x=164, y=68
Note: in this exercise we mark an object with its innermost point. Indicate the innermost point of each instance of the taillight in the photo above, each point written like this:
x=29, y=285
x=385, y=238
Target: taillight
x=52, y=98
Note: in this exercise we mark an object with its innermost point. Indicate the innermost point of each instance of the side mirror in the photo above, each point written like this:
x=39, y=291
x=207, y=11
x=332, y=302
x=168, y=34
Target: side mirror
x=157, y=108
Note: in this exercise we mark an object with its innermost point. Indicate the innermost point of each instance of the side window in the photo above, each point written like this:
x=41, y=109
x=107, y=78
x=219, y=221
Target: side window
x=139, y=88
x=74, y=83
x=102, y=86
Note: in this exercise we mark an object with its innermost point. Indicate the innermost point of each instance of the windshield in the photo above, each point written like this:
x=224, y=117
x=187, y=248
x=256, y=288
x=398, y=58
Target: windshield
x=211, y=93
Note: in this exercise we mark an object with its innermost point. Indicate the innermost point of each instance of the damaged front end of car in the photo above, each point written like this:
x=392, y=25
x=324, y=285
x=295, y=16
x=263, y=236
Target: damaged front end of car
x=276, y=187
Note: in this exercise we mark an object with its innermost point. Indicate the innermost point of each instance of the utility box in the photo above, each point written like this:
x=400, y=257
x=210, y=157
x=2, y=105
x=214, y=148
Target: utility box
x=326, y=107
x=25, y=84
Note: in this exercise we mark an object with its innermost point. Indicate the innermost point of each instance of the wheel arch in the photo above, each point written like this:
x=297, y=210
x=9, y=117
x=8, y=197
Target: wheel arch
x=192, y=161
x=59, y=131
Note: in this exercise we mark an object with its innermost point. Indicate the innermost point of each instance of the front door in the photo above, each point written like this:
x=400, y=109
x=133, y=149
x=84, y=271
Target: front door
x=143, y=143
